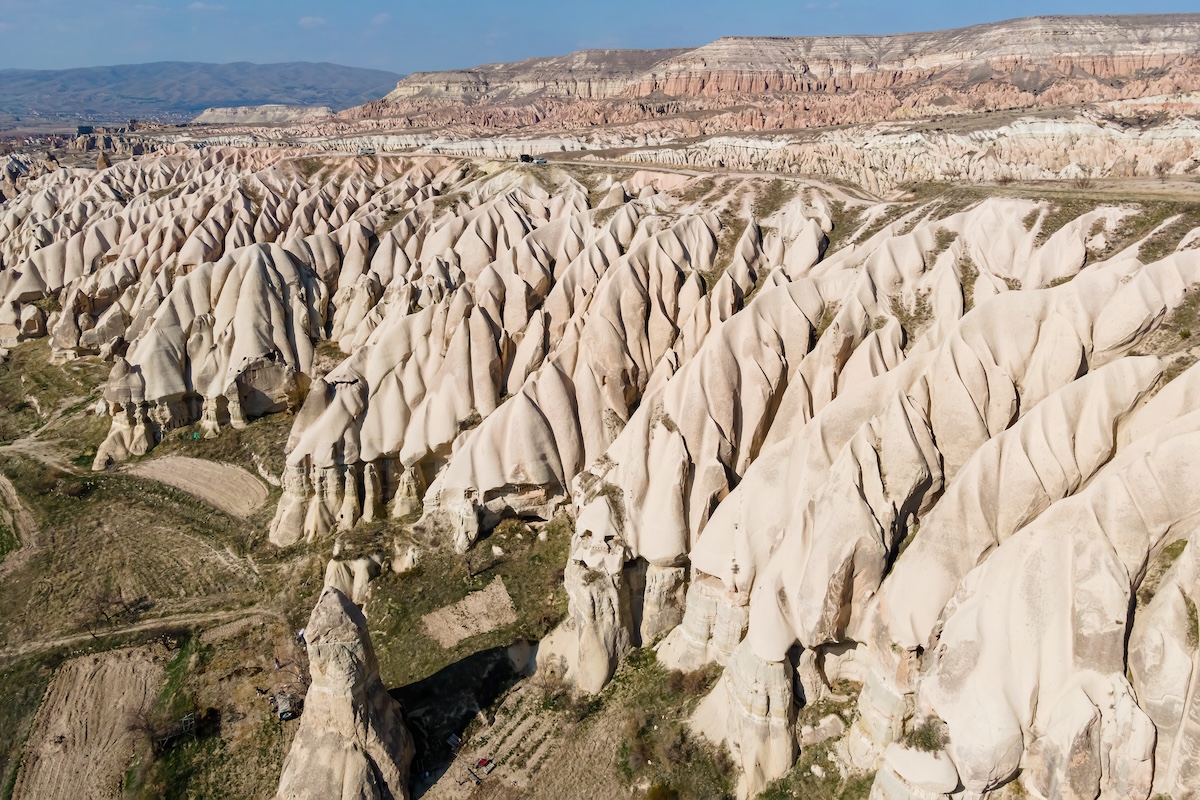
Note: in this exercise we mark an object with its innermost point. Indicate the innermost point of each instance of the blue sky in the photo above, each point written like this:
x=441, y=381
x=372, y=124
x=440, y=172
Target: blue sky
x=404, y=36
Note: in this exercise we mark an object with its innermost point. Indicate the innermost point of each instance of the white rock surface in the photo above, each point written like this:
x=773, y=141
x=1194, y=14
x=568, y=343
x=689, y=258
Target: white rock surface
x=352, y=741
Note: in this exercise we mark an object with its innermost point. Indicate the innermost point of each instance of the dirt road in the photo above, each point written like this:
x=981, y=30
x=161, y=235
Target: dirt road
x=23, y=524
x=148, y=625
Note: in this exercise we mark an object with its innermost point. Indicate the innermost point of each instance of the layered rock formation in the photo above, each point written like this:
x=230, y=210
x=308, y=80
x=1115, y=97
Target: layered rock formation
x=817, y=514
x=270, y=114
x=352, y=741
x=884, y=157
x=938, y=451
x=207, y=278
x=790, y=82
x=587, y=74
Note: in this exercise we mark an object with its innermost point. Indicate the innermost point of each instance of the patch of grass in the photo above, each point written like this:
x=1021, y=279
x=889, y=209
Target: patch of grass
x=658, y=747
x=77, y=433
x=1149, y=215
x=802, y=782
x=928, y=737
x=175, y=700
x=942, y=241
x=262, y=441
x=113, y=534
x=308, y=166
x=49, y=304
x=914, y=321
x=827, y=317
x=532, y=573
x=698, y=189
x=1060, y=213
x=969, y=274
x=812, y=713
x=445, y=202
x=892, y=214
x=602, y=216
x=1157, y=569
x=239, y=744
x=22, y=687
x=1030, y=219
x=1171, y=338
x=843, y=221
x=1193, y=631
x=557, y=695
x=616, y=502
x=1164, y=242
x=158, y=194
x=31, y=388
x=772, y=198
x=391, y=219
x=732, y=229
x=9, y=541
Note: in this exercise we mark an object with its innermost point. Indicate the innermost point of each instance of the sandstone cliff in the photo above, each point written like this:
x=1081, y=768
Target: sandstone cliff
x=352, y=740
x=938, y=450
x=271, y=114
x=789, y=82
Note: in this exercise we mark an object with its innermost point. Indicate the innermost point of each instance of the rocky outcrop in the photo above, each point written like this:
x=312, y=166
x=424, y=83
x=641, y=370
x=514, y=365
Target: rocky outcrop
x=1023, y=52
x=884, y=157
x=586, y=74
x=270, y=114
x=931, y=458
x=352, y=740
x=769, y=83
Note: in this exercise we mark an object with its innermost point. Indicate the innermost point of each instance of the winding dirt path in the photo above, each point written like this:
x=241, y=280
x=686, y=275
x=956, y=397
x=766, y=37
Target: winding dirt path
x=24, y=524
x=157, y=623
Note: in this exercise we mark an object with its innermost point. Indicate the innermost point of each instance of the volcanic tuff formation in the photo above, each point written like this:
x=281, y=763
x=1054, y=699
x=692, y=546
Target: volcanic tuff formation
x=931, y=459
x=938, y=456
x=271, y=114
x=789, y=82
x=352, y=741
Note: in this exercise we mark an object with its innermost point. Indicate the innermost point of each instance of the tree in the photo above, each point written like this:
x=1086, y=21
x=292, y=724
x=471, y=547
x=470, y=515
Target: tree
x=1161, y=170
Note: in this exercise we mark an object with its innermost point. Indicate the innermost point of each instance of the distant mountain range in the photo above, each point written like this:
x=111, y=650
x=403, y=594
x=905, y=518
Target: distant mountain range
x=178, y=91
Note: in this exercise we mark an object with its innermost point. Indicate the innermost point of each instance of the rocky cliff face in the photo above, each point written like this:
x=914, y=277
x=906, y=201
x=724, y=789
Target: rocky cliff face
x=1024, y=52
x=591, y=74
x=352, y=740
x=813, y=81
x=270, y=114
x=937, y=454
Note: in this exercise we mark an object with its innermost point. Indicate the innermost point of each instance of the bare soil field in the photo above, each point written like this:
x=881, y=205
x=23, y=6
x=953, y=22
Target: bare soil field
x=81, y=741
x=478, y=612
x=229, y=488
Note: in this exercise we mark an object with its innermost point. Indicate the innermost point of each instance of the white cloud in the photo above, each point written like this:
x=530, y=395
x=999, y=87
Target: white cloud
x=381, y=19
x=206, y=7
x=312, y=22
